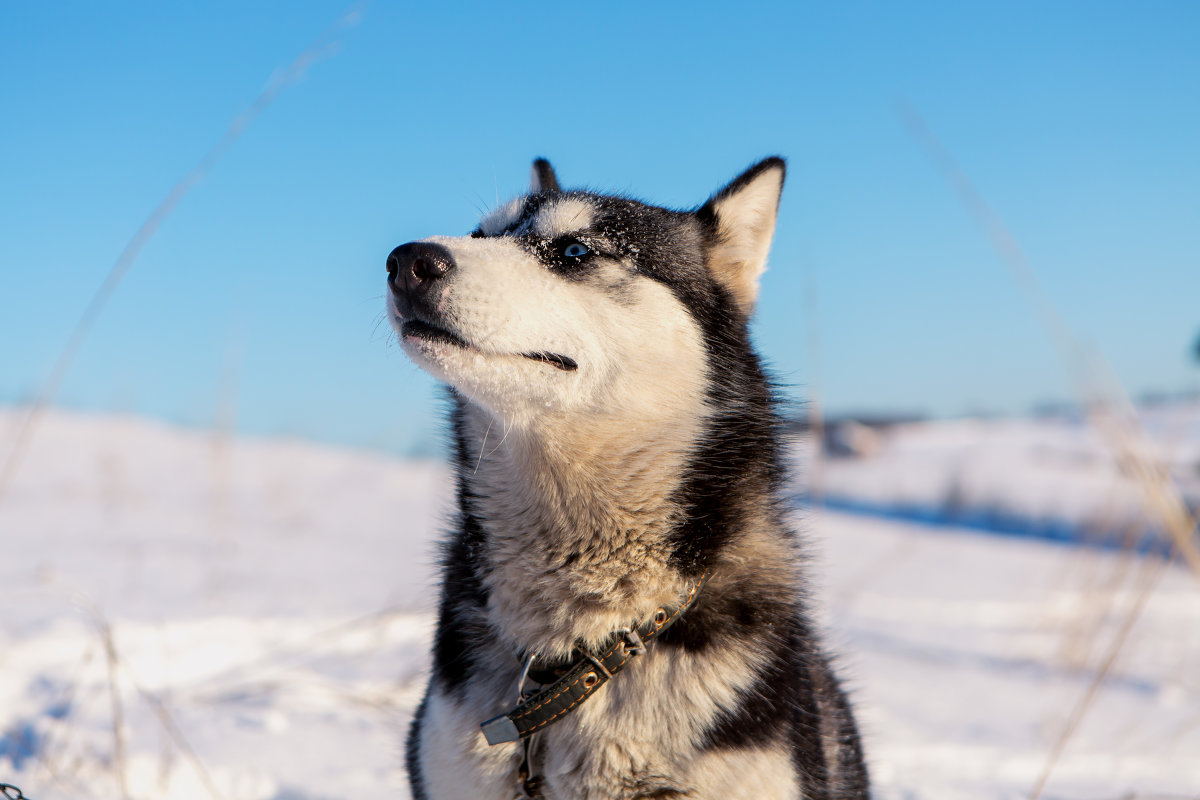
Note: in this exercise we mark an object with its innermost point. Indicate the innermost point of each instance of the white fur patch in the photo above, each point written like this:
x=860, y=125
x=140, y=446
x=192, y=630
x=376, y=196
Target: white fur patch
x=639, y=357
x=566, y=215
x=500, y=218
x=747, y=775
x=455, y=759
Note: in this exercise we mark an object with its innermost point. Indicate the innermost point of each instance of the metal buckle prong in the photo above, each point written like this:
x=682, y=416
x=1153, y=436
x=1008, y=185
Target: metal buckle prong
x=634, y=646
x=524, y=677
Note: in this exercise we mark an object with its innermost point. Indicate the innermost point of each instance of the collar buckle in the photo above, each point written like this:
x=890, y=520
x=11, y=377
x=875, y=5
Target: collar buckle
x=632, y=643
x=579, y=679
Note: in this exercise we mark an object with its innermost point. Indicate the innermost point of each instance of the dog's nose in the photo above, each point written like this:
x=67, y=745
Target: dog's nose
x=416, y=266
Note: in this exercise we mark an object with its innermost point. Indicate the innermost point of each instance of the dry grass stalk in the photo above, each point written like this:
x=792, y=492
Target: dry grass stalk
x=1121, y=432
x=325, y=44
x=161, y=712
x=1150, y=573
x=118, y=715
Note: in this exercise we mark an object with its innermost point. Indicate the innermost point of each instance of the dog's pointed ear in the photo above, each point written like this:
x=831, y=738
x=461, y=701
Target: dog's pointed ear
x=739, y=222
x=542, y=178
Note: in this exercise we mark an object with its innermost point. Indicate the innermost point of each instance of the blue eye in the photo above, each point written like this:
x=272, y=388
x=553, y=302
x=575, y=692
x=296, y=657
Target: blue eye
x=575, y=250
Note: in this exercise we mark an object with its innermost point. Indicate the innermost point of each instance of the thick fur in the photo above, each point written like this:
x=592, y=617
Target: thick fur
x=614, y=437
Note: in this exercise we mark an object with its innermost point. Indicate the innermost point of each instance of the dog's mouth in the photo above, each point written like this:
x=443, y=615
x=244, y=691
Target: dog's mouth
x=431, y=333
x=563, y=363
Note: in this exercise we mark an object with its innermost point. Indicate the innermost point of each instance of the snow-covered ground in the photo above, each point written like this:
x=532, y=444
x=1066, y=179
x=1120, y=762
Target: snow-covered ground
x=1053, y=478
x=187, y=616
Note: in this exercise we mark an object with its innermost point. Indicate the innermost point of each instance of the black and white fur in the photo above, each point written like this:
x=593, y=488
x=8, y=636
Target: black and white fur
x=614, y=437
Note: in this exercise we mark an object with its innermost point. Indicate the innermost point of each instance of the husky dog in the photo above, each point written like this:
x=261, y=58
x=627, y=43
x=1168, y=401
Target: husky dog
x=619, y=479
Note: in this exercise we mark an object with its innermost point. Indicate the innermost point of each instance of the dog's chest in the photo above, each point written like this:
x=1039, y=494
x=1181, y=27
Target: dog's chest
x=565, y=563
x=634, y=736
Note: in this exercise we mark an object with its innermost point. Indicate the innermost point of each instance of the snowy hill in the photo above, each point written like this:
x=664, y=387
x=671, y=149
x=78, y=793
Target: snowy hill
x=184, y=615
x=1053, y=478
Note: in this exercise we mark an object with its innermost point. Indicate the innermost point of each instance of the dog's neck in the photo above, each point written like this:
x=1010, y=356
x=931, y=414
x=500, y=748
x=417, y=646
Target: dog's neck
x=577, y=521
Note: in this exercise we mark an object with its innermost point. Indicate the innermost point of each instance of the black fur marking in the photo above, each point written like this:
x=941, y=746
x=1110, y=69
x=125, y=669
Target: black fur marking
x=762, y=711
x=460, y=631
x=412, y=754
x=729, y=615
x=848, y=773
x=781, y=704
x=546, y=179
x=738, y=458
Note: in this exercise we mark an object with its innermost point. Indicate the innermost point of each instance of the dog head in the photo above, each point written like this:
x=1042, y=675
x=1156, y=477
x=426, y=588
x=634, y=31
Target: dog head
x=565, y=302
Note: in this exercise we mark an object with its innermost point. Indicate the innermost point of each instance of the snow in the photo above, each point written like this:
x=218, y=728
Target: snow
x=968, y=652
x=1055, y=478
x=256, y=614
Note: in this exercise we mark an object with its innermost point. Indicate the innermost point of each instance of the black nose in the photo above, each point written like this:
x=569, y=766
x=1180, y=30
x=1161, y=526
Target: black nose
x=416, y=266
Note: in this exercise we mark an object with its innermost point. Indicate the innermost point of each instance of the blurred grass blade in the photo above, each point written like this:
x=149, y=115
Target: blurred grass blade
x=324, y=45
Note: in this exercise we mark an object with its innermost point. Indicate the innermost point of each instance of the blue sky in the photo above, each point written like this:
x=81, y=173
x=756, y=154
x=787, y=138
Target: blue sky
x=1079, y=122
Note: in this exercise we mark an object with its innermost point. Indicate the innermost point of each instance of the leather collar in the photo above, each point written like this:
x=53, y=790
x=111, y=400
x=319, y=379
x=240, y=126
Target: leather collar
x=575, y=680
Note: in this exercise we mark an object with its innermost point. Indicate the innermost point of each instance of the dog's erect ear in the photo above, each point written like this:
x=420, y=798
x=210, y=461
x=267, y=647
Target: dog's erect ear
x=739, y=222
x=543, y=178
